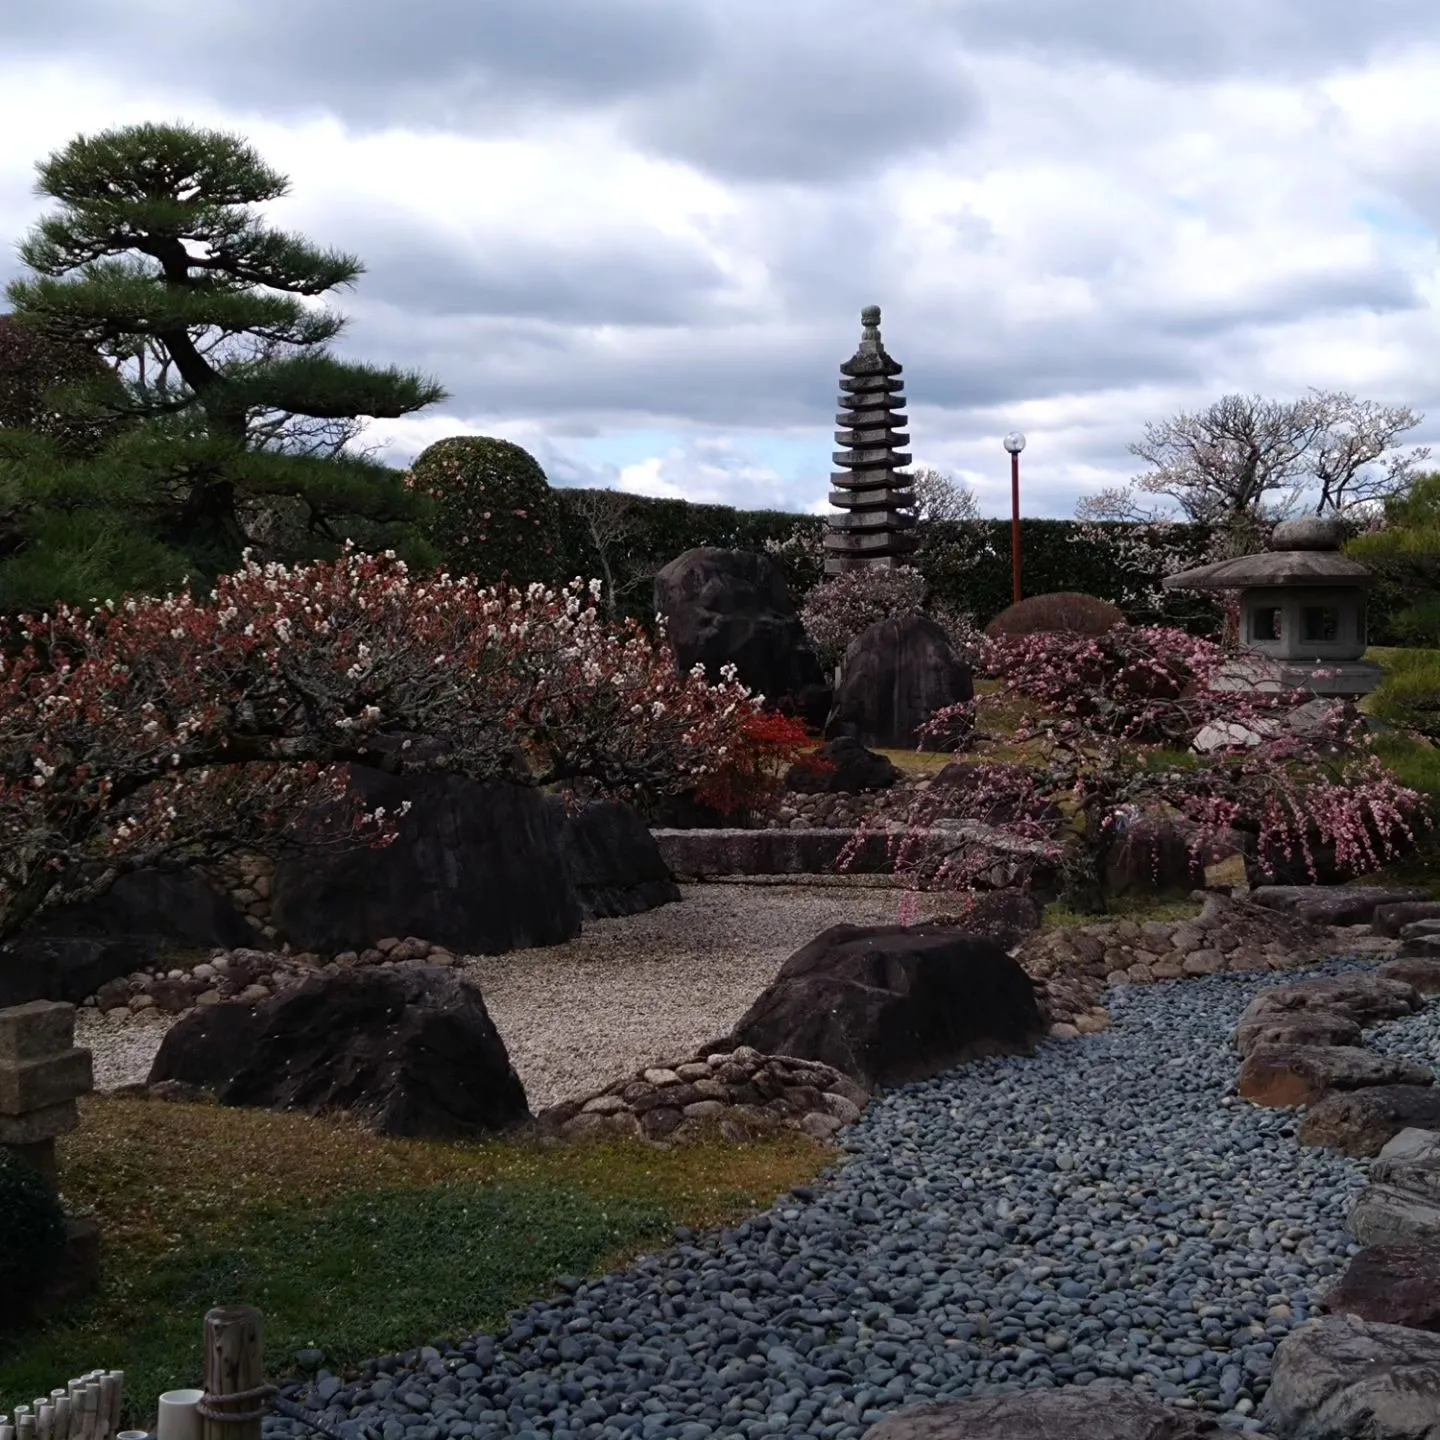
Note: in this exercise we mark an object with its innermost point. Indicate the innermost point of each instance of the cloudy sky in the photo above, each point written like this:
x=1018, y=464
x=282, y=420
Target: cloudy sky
x=635, y=235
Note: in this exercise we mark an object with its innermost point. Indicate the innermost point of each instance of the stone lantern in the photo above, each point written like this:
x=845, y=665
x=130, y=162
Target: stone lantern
x=1302, y=611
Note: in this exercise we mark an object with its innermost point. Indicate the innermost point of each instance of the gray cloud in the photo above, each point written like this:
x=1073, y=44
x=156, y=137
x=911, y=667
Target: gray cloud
x=642, y=279
x=1199, y=40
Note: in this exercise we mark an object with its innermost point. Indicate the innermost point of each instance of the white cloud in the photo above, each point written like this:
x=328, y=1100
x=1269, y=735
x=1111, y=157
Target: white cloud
x=1070, y=234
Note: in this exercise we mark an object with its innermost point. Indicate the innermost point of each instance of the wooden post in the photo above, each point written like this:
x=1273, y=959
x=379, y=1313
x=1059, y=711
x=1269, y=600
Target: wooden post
x=237, y=1398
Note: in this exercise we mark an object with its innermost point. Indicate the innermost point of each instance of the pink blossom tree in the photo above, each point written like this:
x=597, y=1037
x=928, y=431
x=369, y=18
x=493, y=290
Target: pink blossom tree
x=175, y=731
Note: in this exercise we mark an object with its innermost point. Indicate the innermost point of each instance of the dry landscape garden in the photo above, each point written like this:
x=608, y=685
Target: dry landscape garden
x=585, y=966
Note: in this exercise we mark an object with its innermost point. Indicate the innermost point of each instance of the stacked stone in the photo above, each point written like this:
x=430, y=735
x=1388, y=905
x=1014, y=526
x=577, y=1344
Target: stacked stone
x=41, y=1074
x=741, y=1092
x=876, y=524
x=246, y=879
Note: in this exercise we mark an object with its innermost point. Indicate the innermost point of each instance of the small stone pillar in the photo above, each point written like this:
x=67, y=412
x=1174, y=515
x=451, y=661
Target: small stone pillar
x=42, y=1072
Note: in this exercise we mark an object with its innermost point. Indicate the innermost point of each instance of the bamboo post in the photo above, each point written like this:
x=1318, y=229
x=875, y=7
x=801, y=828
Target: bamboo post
x=62, y=1413
x=116, y=1379
x=237, y=1399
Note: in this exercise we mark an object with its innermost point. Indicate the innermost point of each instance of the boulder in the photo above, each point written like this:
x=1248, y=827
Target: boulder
x=1332, y=904
x=731, y=607
x=1284, y=1075
x=1421, y=947
x=1392, y=919
x=1103, y=1410
x=890, y=1004
x=408, y=1052
x=70, y=951
x=896, y=675
x=1390, y=1285
x=1419, y=929
x=1302, y=1027
x=1359, y=1122
x=477, y=868
x=1402, y=1201
x=1341, y=1377
x=1157, y=854
x=1365, y=998
x=613, y=860
x=1422, y=973
x=854, y=770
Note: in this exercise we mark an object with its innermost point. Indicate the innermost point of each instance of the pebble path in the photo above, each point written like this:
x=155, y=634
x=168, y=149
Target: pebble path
x=1107, y=1207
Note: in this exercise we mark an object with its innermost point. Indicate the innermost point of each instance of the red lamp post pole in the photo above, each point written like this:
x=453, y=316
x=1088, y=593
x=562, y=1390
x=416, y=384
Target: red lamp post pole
x=1015, y=522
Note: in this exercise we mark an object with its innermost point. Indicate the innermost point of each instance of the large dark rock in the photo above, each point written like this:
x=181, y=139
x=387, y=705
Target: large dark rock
x=613, y=860
x=1392, y=919
x=896, y=675
x=70, y=951
x=1104, y=1410
x=1332, y=904
x=1401, y=1203
x=1362, y=996
x=1007, y=916
x=890, y=1004
x=1390, y=1285
x=731, y=607
x=477, y=868
x=852, y=770
x=1361, y=1122
x=409, y=1052
x=1161, y=854
x=1344, y=1377
x=1296, y=1027
x=1287, y=1075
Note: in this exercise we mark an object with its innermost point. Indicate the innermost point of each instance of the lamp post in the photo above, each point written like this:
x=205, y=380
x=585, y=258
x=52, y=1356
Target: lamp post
x=1015, y=443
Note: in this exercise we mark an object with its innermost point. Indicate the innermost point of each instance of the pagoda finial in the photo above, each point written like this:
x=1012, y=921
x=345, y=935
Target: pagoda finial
x=870, y=331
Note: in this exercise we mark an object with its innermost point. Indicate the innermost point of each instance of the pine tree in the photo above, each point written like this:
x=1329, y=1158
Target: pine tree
x=1406, y=552
x=241, y=418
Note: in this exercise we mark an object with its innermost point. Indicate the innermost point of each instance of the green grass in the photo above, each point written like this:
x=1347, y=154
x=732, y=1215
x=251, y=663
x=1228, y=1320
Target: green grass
x=1139, y=908
x=357, y=1245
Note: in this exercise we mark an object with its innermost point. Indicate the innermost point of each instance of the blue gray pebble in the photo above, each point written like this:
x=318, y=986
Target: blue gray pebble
x=1107, y=1207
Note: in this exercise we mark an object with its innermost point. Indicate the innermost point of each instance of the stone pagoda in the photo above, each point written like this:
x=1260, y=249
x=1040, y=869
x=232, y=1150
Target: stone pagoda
x=876, y=523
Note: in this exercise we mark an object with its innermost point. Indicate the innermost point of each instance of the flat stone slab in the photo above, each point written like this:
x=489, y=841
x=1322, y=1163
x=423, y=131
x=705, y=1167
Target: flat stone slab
x=1359, y=1122
x=1283, y=1075
x=1345, y=1377
x=1365, y=997
x=1332, y=904
x=1420, y=971
x=1418, y=929
x=1301, y=1027
x=1392, y=919
x=1401, y=1203
x=1421, y=947
x=1390, y=1285
x=1104, y=1410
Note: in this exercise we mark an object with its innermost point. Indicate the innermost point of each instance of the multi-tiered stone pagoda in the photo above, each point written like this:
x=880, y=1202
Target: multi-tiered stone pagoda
x=876, y=523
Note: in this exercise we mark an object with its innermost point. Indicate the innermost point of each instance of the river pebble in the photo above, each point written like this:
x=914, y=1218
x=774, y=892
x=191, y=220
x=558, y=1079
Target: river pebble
x=1107, y=1207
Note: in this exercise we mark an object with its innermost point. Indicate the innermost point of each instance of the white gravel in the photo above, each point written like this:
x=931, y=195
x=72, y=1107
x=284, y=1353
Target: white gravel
x=623, y=994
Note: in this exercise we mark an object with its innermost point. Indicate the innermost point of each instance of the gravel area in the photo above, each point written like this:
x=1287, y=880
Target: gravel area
x=1107, y=1207
x=625, y=993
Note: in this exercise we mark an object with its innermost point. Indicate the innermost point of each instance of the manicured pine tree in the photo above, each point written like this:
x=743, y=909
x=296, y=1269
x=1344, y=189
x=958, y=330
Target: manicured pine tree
x=157, y=260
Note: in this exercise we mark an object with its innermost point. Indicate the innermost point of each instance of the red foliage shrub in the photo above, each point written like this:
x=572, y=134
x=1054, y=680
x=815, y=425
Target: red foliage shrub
x=1065, y=610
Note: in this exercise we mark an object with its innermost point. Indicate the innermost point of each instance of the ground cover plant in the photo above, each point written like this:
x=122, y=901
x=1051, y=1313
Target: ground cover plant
x=360, y=1245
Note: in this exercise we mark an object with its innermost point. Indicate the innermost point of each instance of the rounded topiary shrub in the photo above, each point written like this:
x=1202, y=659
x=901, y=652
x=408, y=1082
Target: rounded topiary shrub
x=32, y=1227
x=1067, y=610
x=496, y=516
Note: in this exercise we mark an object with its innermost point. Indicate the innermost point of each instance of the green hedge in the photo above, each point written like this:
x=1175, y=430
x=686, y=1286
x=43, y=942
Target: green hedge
x=966, y=563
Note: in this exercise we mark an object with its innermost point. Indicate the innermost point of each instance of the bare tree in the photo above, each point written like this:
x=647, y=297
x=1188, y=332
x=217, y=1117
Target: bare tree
x=1246, y=462
x=941, y=497
x=1358, y=436
x=1243, y=456
x=609, y=519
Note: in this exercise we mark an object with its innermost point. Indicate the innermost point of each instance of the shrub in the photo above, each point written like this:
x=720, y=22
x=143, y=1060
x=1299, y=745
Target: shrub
x=32, y=1227
x=1409, y=697
x=1064, y=610
x=496, y=517
x=837, y=610
x=33, y=365
x=767, y=745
